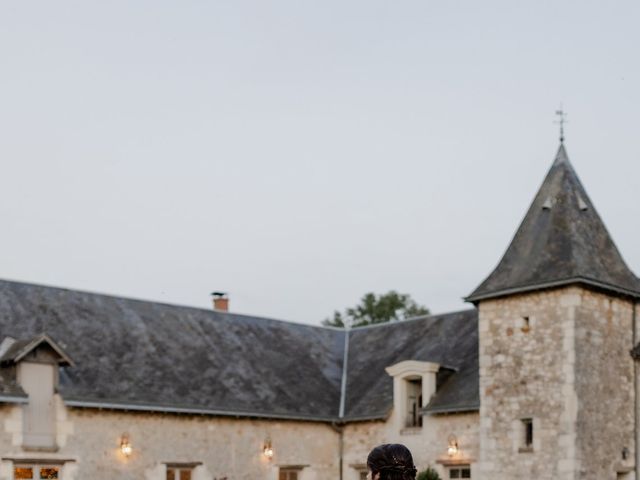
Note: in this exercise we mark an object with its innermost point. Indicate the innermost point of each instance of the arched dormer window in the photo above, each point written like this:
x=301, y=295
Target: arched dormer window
x=414, y=383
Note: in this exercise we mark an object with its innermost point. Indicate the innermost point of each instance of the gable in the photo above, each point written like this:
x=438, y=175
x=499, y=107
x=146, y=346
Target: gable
x=39, y=349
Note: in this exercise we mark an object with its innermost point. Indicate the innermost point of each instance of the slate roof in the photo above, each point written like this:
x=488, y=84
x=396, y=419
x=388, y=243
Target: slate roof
x=9, y=389
x=562, y=240
x=142, y=355
x=450, y=340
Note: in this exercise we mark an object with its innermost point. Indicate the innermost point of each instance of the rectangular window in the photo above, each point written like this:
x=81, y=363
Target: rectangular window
x=461, y=471
x=23, y=472
x=527, y=432
x=178, y=473
x=288, y=474
x=36, y=472
x=414, y=403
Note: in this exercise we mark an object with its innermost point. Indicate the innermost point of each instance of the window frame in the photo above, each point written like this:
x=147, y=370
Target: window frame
x=460, y=470
x=178, y=471
x=402, y=372
x=527, y=434
x=180, y=467
x=287, y=471
x=413, y=399
x=36, y=469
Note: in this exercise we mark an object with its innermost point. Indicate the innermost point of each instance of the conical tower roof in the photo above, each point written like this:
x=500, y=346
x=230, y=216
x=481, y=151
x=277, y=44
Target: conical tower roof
x=562, y=240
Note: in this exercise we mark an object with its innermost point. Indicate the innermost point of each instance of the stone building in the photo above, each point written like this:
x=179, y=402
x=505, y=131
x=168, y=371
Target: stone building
x=537, y=380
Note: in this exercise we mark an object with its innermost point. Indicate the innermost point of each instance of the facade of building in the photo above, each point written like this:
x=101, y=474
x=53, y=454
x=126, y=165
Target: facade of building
x=538, y=380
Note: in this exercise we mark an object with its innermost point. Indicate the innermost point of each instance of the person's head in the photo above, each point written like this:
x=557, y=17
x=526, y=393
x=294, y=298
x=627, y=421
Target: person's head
x=391, y=461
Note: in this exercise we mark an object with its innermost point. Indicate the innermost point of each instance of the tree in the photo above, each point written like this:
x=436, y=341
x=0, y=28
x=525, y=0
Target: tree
x=428, y=474
x=372, y=309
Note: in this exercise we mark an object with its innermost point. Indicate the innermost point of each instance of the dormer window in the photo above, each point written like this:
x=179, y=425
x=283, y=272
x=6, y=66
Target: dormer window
x=35, y=363
x=414, y=383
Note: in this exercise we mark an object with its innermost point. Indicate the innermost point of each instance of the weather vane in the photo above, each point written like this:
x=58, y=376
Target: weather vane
x=562, y=119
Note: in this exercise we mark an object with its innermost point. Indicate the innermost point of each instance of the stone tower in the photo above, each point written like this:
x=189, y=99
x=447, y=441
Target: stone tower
x=556, y=325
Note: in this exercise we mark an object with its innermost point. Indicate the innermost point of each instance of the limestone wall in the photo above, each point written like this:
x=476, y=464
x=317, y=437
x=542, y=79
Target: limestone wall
x=526, y=371
x=568, y=368
x=228, y=448
x=604, y=386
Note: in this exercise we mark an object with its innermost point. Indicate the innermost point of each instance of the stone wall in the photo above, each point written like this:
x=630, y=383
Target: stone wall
x=604, y=386
x=526, y=371
x=228, y=448
x=561, y=358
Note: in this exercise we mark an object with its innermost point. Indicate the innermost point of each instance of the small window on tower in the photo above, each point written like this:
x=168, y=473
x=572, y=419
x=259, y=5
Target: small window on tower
x=527, y=435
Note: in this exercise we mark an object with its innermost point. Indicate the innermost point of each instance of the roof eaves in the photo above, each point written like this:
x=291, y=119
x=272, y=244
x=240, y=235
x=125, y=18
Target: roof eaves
x=365, y=418
x=451, y=409
x=546, y=285
x=106, y=405
x=13, y=399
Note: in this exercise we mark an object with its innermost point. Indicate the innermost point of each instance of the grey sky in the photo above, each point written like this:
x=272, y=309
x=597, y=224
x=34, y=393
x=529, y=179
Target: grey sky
x=299, y=154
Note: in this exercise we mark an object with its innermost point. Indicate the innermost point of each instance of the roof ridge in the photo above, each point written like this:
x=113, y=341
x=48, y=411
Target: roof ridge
x=411, y=319
x=168, y=304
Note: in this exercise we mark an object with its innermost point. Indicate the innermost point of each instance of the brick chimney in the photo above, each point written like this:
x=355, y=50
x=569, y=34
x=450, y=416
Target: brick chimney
x=220, y=301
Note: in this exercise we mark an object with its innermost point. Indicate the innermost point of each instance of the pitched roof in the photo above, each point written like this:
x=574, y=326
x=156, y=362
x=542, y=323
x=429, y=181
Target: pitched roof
x=562, y=240
x=10, y=391
x=450, y=340
x=143, y=355
x=21, y=348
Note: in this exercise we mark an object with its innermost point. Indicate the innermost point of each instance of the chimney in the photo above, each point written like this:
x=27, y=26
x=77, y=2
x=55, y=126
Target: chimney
x=220, y=301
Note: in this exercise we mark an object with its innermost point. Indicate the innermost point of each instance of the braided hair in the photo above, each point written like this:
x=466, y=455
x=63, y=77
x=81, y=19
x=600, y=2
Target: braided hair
x=392, y=461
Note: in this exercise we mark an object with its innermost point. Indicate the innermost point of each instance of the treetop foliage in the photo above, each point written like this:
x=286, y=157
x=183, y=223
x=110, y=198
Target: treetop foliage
x=372, y=309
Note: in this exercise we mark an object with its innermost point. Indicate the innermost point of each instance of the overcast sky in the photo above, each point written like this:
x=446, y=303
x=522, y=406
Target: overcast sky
x=298, y=154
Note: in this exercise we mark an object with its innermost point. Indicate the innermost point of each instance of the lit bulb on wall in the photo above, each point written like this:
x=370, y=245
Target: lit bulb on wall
x=267, y=449
x=125, y=445
x=452, y=448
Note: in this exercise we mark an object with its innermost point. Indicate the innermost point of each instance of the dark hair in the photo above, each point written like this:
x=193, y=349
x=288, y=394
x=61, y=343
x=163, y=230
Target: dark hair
x=392, y=461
